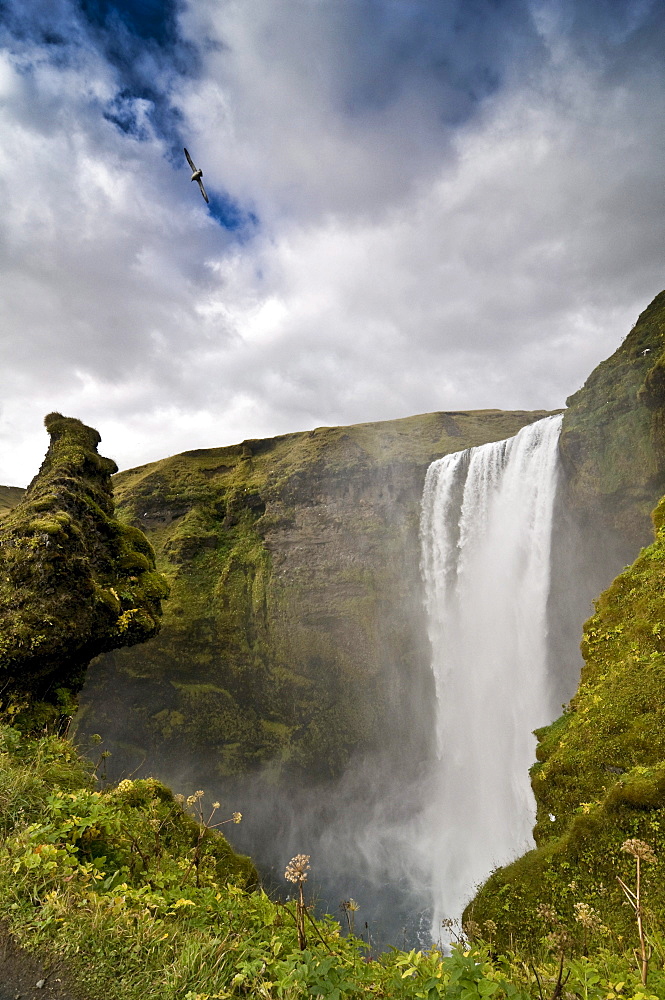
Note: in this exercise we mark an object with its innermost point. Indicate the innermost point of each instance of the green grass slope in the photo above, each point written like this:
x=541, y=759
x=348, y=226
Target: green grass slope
x=9, y=497
x=600, y=775
x=132, y=894
x=73, y=579
x=294, y=633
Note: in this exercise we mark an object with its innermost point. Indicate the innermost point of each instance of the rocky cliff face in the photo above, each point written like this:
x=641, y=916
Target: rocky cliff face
x=600, y=775
x=294, y=635
x=613, y=474
x=73, y=580
x=613, y=437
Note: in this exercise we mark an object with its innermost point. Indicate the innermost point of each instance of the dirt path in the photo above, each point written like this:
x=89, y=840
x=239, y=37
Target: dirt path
x=20, y=974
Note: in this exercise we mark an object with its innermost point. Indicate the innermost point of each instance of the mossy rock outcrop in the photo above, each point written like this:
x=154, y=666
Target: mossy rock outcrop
x=295, y=634
x=74, y=580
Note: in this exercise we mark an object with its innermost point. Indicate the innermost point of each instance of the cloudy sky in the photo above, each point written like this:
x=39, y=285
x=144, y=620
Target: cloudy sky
x=414, y=205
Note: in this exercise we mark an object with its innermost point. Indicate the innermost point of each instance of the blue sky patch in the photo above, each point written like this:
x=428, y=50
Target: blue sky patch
x=150, y=19
x=230, y=214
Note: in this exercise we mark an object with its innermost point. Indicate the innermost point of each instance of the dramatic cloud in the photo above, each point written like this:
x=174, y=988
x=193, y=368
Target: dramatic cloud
x=414, y=206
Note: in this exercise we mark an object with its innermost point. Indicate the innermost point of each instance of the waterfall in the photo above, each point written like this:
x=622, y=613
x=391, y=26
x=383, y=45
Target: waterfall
x=486, y=534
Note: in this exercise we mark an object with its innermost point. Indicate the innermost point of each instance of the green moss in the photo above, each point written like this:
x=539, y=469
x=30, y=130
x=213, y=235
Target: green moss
x=73, y=580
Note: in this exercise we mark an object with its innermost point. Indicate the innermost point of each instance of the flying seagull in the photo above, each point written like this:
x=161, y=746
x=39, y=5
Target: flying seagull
x=196, y=176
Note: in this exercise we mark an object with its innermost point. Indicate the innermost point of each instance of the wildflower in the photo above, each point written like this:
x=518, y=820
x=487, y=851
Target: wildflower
x=237, y=817
x=180, y=799
x=215, y=805
x=639, y=849
x=297, y=868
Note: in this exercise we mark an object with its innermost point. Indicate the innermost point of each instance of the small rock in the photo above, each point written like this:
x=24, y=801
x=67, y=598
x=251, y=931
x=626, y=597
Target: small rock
x=40, y=983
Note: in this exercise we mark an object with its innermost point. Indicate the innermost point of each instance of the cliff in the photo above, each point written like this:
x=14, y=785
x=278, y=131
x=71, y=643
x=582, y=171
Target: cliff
x=613, y=436
x=600, y=775
x=74, y=580
x=294, y=634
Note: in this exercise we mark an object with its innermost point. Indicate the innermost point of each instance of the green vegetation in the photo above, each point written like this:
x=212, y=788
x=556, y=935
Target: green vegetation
x=290, y=638
x=142, y=900
x=294, y=628
x=600, y=775
x=73, y=580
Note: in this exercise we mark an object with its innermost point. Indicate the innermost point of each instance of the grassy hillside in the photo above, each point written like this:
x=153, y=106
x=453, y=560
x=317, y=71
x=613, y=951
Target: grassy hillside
x=9, y=497
x=131, y=894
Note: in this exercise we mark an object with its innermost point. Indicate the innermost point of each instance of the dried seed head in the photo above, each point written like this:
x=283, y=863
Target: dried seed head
x=490, y=927
x=237, y=817
x=471, y=929
x=547, y=913
x=587, y=916
x=559, y=939
x=639, y=849
x=297, y=868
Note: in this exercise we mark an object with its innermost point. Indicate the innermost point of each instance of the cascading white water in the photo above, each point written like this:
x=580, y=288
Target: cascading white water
x=486, y=535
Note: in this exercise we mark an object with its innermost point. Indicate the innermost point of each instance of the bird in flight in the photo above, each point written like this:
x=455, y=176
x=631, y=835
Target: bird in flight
x=196, y=176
